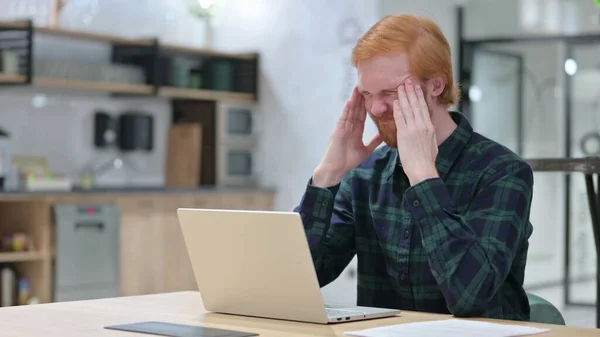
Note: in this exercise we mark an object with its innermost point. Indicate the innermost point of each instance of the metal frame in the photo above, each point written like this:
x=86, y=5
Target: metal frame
x=520, y=116
x=465, y=48
x=20, y=37
x=30, y=67
x=590, y=168
x=20, y=40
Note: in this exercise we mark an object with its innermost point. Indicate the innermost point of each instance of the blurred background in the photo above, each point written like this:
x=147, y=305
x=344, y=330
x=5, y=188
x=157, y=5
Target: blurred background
x=114, y=113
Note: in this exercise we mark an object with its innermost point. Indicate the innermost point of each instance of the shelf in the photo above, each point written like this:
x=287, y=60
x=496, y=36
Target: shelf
x=114, y=39
x=20, y=257
x=133, y=89
x=155, y=59
x=50, y=82
x=12, y=78
x=93, y=36
x=198, y=94
x=74, y=34
x=120, y=88
x=206, y=52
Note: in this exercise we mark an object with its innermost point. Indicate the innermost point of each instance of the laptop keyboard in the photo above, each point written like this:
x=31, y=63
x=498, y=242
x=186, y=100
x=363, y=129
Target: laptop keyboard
x=340, y=312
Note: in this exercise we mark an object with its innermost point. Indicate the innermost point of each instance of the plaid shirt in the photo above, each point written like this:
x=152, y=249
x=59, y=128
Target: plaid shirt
x=455, y=244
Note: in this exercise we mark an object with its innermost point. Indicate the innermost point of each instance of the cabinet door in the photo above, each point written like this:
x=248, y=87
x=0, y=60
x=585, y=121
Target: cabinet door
x=142, y=248
x=87, y=252
x=179, y=275
x=247, y=201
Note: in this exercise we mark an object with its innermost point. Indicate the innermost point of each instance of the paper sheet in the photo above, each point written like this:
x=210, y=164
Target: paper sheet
x=449, y=328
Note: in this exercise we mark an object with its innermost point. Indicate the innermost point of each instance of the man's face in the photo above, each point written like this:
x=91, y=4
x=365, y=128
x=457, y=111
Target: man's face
x=378, y=80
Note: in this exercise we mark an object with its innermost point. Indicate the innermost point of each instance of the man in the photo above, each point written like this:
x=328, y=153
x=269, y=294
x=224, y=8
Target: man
x=439, y=215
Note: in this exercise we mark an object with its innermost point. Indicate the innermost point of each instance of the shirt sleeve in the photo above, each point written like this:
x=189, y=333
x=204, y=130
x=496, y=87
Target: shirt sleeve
x=470, y=253
x=329, y=226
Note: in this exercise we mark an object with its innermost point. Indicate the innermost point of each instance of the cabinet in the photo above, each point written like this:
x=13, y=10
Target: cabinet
x=86, y=262
x=152, y=253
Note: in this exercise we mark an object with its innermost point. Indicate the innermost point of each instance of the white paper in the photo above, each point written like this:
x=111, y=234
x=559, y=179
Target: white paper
x=449, y=328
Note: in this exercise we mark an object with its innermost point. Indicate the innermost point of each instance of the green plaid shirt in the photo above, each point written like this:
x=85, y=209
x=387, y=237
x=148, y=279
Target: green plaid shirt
x=455, y=244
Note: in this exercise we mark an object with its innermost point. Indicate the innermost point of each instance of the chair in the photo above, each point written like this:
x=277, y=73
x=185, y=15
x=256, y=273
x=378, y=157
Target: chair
x=543, y=311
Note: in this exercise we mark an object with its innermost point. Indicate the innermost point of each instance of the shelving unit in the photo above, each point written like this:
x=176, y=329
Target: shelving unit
x=31, y=218
x=158, y=61
x=11, y=257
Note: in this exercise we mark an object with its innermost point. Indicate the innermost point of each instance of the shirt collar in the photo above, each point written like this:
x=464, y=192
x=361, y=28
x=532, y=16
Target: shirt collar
x=448, y=151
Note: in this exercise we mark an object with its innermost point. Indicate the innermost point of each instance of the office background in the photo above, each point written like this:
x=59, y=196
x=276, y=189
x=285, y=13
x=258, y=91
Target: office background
x=516, y=95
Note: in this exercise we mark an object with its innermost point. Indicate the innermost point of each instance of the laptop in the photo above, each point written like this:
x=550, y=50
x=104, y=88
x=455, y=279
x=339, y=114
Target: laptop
x=258, y=263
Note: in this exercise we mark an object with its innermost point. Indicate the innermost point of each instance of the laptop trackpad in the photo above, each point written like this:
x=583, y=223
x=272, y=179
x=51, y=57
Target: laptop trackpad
x=177, y=330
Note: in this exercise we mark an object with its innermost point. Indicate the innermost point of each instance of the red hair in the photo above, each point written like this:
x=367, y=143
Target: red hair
x=428, y=49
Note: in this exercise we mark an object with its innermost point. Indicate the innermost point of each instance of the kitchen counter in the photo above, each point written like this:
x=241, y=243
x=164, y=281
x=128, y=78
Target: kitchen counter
x=152, y=254
x=135, y=190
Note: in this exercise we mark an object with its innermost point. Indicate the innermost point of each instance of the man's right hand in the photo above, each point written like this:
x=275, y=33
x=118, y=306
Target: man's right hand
x=346, y=149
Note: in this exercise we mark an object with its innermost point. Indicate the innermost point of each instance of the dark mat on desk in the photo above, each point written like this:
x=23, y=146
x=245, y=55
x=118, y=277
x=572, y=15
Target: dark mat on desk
x=177, y=330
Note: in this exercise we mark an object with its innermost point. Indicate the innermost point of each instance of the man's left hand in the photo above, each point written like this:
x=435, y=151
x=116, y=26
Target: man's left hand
x=417, y=144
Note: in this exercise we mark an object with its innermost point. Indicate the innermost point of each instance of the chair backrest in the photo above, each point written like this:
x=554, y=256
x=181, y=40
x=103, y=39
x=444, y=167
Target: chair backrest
x=543, y=311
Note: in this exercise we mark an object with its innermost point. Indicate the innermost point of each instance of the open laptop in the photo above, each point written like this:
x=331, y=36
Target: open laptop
x=257, y=263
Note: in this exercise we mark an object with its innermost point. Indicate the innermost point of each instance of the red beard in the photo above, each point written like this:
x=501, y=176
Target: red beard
x=387, y=130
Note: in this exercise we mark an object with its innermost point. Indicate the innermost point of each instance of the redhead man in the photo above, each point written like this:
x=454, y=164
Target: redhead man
x=439, y=215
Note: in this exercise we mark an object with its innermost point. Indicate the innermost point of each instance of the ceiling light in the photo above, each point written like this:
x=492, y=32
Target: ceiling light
x=570, y=67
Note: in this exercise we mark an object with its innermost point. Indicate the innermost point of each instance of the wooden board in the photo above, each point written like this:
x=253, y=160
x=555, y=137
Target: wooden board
x=88, y=318
x=203, y=113
x=588, y=165
x=184, y=155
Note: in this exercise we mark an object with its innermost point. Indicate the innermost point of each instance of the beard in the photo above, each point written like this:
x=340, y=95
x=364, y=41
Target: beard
x=387, y=129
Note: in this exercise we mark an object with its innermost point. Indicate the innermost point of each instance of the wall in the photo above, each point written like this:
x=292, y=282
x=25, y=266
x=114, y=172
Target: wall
x=494, y=114
x=544, y=125
x=305, y=53
x=59, y=124
x=306, y=79
x=443, y=13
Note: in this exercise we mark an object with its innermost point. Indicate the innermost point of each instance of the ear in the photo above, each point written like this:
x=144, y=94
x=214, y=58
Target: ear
x=436, y=86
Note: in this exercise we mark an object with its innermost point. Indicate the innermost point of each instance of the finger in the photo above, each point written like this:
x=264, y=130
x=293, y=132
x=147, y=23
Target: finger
x=407, y=112
x=349, y=106
x=345, y=111
x=374, y=142
x=423, y=105
x=415, y=106
x=355, y=102
x=361, y=110
x=398, y=116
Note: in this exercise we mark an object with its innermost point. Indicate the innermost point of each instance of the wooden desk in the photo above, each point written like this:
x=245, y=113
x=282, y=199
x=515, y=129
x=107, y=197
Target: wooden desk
x=87, y=318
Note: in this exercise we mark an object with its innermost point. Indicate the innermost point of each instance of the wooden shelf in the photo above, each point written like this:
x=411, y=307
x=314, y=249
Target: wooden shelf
x=21, y=256
x=206, y=52
x=114, y=39
x=49, y=82
x=12, y=78
x=121, y=88
x=133, y=89
x=74, y=34
x=183, y=93
x=150, y=49
x=93, y=36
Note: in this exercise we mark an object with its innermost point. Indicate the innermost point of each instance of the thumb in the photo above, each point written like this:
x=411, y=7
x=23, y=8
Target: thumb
x=374, y=142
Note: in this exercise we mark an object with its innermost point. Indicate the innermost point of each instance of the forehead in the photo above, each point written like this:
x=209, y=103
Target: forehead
x=382, y=72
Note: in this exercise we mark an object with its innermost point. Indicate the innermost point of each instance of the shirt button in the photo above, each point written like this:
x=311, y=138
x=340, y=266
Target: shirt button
x=416, y=203
x=406, y=234
x=403, y=277
x=324, y=203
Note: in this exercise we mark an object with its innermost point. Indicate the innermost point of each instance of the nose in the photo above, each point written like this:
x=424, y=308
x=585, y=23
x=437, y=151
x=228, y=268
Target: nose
x=379, y=108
